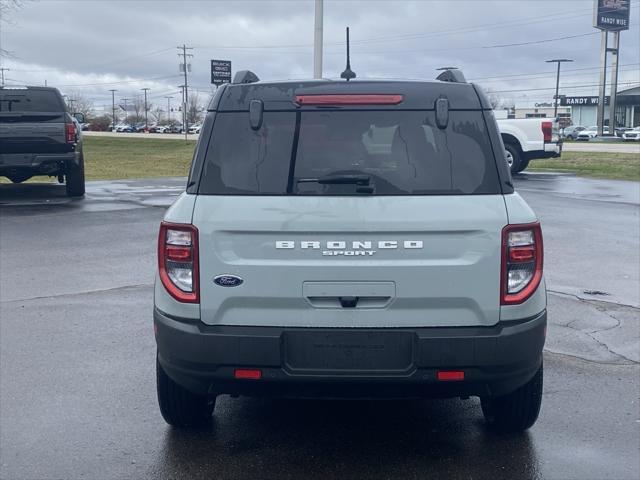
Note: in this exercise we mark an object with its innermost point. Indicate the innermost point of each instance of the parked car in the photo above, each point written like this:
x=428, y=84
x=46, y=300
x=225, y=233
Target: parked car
x=590, y=133
x=632, y=135
x=124, y=128
x=39, y=137
x=175, y=128
x=359, y=239
x=572, y=132
x=195, y=128
x=529, y=139
x=621, y=130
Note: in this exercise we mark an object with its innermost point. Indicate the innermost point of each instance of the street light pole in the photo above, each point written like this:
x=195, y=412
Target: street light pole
x=113, y=109
x=168, y=110
x=558, y=61
x=146, y=119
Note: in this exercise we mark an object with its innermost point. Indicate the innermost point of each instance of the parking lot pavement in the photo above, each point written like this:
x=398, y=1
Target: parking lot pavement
x=77, y=391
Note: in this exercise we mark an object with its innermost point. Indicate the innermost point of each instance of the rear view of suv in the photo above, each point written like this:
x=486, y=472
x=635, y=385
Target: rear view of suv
x=39, y=137
x=350, y=239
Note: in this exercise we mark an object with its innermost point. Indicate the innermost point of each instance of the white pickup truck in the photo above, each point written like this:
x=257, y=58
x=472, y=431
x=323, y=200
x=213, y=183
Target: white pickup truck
x=529, y=139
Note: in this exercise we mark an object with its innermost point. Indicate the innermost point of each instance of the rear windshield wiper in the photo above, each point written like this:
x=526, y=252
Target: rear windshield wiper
x=362, y=180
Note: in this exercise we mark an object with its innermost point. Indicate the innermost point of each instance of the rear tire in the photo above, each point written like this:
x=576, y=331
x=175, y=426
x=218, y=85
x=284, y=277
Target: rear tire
x=515, y=411
x=74, y=178
x=179, y=406
x=514, y=158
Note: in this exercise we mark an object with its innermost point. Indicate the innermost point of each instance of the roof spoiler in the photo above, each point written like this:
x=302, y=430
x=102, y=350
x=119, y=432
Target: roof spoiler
x=452, y=75
x=245, y=76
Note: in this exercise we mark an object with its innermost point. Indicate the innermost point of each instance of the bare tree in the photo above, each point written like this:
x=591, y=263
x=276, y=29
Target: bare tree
x=138, y=110
x=157, y=113
x=80, y=103
x=194, y=109
x=495, y=99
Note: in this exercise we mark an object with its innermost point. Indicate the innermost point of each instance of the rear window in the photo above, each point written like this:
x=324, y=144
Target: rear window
x=397, y=152
x=30, y=101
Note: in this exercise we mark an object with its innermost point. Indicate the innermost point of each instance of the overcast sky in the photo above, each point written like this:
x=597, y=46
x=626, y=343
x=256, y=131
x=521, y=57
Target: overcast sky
x=91, y=46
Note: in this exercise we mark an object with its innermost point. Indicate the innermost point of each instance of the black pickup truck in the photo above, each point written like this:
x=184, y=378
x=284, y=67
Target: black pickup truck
x=38, y=136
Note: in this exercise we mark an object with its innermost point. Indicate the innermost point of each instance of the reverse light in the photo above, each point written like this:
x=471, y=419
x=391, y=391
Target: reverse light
x=522, y=256
x=178, y=261
x=349, y=99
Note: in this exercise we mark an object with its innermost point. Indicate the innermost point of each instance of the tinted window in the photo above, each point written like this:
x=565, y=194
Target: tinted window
x=27, y=101
x=400, y=152
x=241, y=160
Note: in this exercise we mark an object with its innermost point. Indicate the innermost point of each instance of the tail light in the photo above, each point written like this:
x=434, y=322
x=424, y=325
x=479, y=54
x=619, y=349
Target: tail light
x=547, y=131
x=70, y=132
x=178, y=261
x=522, y=254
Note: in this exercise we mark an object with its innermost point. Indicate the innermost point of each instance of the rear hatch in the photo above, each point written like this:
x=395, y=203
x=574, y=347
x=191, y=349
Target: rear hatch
x=32, y=121
x=340, y=217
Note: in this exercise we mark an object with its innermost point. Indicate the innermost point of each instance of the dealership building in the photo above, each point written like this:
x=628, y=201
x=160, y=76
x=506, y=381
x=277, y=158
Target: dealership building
x=584, y=109
x=581, y=110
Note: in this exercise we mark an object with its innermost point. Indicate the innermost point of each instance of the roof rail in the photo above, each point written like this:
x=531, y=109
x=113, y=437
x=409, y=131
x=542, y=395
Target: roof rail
x=452, y=75
x=245, y=76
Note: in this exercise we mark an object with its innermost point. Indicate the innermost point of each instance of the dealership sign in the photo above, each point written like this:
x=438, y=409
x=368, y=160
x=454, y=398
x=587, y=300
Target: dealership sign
x=581, y=101
x=611, y=14
x=220, y=71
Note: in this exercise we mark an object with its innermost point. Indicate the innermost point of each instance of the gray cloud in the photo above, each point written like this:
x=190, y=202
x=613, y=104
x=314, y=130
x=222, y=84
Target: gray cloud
x=92, y=46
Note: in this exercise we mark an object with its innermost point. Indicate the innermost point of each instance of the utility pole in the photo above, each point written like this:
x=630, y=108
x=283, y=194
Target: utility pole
x=317, y=40
x=113, y=109
x=2, y=70
x=185, y=56
x=168, y=110
x=558, y=61
x=146, y=118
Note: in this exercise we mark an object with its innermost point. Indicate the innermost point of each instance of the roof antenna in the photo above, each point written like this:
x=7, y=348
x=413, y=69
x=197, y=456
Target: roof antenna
x=348, y=74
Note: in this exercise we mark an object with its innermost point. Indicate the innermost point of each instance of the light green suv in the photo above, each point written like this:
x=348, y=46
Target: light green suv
x=350, y=239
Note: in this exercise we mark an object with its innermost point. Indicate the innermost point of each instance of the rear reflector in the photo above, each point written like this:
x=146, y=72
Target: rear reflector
x=450, y=375
x=349, y=99
x=248, y=374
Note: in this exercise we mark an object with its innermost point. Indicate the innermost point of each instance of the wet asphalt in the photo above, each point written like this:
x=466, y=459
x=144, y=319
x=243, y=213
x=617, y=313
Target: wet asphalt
x=77, y=384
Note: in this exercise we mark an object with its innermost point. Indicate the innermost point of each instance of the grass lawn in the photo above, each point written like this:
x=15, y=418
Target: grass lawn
x=620, y=166
x=129, y=157
x=116, y=158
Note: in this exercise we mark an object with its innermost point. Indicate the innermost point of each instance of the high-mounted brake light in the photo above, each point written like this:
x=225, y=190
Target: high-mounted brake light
x=178, y=261
x=349, y=99
x=522, y=259
x=547, y=131
x=70, y=132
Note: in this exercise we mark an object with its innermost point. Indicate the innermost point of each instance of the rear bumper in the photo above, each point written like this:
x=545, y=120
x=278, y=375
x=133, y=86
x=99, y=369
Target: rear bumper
x=38, y=163
x=362, y=363
x=551, y=150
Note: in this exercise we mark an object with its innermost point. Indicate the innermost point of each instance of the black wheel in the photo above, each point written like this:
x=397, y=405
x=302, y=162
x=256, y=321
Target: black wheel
x=514, y=158
x=522, y=167
x=19, y=177
x=179, y=406
x=74, y=178
x=516, y=411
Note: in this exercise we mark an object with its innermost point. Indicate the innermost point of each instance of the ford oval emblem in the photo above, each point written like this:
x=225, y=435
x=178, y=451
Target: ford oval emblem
x=228, y=280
